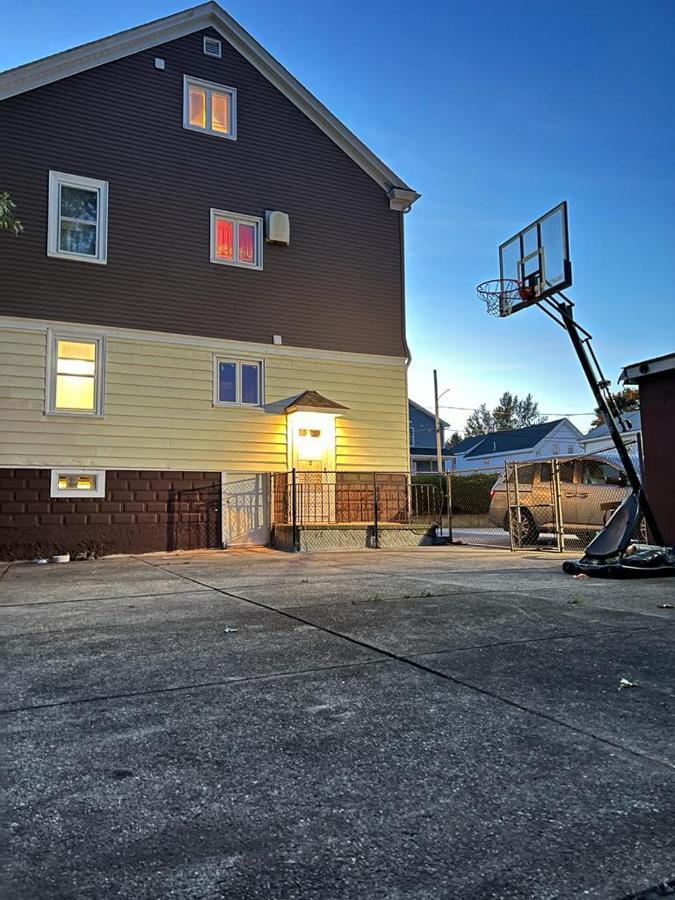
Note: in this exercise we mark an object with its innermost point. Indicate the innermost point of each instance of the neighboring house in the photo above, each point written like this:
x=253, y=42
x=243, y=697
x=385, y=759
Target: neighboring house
x=209, y=288
x=490, y=451
x=655, y=379
x=423, y=455
x=599, y=439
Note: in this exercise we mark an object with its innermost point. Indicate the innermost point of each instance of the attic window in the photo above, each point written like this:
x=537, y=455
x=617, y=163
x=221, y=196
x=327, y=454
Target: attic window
x=211, y=108
x=213, y=47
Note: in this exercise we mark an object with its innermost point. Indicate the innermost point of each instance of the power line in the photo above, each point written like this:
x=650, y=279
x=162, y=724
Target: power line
x=565, y=415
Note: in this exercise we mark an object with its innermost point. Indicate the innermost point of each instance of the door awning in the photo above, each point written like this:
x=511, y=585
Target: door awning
x=312, y=401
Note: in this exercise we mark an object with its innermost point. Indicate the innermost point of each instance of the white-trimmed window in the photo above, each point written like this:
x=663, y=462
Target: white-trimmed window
x=209, y=107
x=78, y=218
x=78, y=483
x=75, y=374
x=236, y=240
x=237, y=382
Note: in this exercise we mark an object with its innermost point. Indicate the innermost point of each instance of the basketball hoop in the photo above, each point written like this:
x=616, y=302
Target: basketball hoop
x=500, y=295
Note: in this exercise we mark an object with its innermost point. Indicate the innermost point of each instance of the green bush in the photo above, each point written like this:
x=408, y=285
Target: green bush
x=470, y=493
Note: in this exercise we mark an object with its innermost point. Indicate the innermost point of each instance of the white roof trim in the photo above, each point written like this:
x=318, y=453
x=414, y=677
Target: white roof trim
x=209, y=15
x=633, y=373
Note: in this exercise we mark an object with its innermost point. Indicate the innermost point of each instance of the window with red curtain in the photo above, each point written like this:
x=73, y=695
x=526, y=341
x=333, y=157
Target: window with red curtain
x=235, y=239
x=246, y=243
x=224, y=239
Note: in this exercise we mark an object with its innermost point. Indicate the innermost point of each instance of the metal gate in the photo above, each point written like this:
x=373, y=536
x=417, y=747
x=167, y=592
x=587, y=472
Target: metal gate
x=543, y=504
x=534, y=505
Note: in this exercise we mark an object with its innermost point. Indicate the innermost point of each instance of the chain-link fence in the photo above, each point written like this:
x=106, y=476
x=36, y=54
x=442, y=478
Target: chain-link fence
x=554, y=504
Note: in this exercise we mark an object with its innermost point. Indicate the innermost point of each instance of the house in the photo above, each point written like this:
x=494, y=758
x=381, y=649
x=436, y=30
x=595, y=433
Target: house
x=489, y=452
x=655, y=379
x=193, y=263
x=598, y=439
x=423, y=454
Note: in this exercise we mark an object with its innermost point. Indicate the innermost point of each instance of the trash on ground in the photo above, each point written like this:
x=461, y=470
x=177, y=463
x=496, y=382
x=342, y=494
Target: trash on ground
x=61, y=558
x=625, y=683
x=581, y=575
x=230, y=630
x=666, y=606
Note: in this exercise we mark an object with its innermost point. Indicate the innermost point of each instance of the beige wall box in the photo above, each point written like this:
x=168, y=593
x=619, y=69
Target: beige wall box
x=277, y=227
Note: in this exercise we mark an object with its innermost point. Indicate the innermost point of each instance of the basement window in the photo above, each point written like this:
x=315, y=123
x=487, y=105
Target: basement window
x=211, y=108
x=77, y=483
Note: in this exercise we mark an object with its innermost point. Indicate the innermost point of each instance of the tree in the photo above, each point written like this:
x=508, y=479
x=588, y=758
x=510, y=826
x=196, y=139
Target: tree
x=626, y=400
x=8, y=221
x=453, y=440
x=481, y=421
x=510, y=412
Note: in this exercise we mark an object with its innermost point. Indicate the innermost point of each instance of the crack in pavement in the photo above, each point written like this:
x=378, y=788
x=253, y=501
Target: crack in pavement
x=450, y=678
x=94, y=599
x=198, y=685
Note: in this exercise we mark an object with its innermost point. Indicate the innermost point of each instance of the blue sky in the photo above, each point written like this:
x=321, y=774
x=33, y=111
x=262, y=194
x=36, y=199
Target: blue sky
x=495, y=112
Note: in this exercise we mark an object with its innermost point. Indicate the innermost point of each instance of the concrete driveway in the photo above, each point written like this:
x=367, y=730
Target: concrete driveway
x=437, y=723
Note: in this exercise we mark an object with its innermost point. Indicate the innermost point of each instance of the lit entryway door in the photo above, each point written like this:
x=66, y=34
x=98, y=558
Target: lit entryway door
x=246, y=509
x=312, y=444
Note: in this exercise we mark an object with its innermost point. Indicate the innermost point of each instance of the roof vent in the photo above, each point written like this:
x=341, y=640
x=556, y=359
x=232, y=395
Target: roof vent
x=213, y=47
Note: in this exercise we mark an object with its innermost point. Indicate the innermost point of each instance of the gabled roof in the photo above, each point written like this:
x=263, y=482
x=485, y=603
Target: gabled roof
x=516, y=439
x=602, y=431
x=209, y=15
x=465, y=445
x=313, y=401
x=426, y=412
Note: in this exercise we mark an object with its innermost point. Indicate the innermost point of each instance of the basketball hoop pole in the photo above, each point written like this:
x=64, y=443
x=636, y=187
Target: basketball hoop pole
x=599, y=385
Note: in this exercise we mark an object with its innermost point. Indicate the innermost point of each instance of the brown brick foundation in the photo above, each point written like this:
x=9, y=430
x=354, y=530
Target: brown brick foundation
x=140, y=513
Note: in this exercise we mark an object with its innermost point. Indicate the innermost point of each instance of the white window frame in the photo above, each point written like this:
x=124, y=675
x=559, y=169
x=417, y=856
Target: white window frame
x=210, y=87
x=56, y=180
x=237, y=218
x=53, y=337
x=56, y=491
x=220, y=358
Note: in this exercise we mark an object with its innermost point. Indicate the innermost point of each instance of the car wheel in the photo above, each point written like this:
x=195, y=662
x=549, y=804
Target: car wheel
x=525, y=532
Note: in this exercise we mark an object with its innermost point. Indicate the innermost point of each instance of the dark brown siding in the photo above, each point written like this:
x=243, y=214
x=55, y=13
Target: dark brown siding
x=141, y=512
x=339, y=284
x=657, y=414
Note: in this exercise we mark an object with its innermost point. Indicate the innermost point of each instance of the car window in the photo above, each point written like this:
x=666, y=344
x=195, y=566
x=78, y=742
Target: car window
x=595, y=472
x=567, y=472
x=545, y=472
x=525, y=474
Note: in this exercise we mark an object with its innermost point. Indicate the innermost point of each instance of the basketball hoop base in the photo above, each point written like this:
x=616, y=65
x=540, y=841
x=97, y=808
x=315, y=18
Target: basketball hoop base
x=501, y=295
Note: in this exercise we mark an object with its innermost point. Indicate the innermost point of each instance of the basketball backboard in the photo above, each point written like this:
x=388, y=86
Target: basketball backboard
x=538, y=258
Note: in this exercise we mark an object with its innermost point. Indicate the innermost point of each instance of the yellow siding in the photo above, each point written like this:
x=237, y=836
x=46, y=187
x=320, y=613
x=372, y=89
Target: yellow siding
x=159, y=412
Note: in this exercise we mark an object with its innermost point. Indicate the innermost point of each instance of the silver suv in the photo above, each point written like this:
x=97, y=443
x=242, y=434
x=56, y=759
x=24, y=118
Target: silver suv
x=591, y=490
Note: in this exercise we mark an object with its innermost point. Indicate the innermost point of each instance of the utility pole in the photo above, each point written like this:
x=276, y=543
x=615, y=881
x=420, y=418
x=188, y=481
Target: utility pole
x=439, y=437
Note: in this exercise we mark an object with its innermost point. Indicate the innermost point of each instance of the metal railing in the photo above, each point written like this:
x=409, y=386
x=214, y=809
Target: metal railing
x=375, y=500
